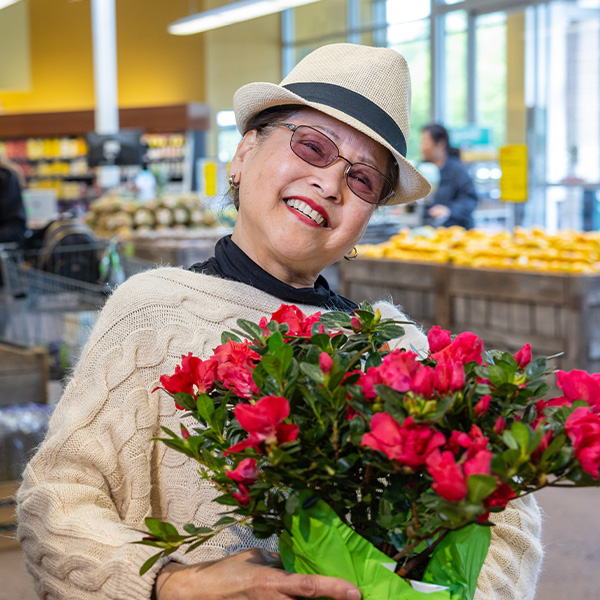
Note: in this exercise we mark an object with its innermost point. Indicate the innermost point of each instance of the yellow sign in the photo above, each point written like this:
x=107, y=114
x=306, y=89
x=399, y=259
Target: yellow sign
x=513, y=163
x=210, y=178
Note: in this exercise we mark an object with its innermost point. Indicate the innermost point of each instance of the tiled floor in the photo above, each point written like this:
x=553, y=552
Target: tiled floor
x=571, y=534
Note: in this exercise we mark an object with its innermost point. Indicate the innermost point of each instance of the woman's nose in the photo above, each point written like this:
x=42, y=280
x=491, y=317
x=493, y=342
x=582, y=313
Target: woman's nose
x=332, y=179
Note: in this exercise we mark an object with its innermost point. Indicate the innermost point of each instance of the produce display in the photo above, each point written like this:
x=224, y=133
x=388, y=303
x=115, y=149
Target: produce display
x=524, y=249
x=114, y=214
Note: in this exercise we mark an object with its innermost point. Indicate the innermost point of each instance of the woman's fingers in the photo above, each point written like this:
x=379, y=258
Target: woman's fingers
x=247, y=575
x=316, y=586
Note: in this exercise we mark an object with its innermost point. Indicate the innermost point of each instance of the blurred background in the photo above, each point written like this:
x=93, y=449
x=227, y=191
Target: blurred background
x=116, y=131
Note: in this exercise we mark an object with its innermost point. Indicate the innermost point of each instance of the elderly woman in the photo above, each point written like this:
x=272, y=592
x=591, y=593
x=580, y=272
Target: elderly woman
x=320, y=152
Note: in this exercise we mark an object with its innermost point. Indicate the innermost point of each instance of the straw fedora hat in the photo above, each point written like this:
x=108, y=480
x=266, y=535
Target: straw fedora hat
x=365, y=87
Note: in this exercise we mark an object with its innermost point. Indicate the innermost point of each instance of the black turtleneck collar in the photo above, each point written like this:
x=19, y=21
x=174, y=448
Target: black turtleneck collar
x=230, y=262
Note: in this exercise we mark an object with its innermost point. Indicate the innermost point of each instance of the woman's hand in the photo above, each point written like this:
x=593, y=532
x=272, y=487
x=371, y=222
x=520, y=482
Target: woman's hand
x=439, y=211
x=247, y=575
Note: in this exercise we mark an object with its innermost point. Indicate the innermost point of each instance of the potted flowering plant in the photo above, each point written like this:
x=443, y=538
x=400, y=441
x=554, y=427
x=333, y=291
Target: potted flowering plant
x=377, y=465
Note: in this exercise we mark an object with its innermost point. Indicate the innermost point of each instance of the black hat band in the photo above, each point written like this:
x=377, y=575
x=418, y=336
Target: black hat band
x=355, y=105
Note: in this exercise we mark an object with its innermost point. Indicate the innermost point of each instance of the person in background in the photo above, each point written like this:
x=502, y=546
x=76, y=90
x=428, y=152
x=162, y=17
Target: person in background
x=455, y=199
x=13, y=222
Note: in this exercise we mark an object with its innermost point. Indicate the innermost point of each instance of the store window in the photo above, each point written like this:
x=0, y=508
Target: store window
x=455, y=59
x=491, y=87
x=228, y=137
x=409, y=34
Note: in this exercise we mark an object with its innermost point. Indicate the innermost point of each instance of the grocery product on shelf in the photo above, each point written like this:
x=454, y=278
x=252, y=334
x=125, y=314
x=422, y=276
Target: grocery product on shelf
x=115, y=214
x=524, y=249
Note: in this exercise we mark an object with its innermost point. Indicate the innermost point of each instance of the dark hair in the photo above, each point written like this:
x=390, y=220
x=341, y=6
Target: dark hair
x=439, y=134
x=277, y=114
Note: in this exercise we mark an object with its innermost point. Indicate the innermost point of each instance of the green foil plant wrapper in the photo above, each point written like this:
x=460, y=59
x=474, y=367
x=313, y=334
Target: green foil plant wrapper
x=317, y=541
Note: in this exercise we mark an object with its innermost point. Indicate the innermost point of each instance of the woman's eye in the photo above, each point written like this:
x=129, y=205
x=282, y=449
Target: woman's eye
x=363, y=179
x=314, y=146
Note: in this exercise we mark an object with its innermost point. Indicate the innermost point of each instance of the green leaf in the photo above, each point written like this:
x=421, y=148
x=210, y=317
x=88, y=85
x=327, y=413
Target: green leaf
x=520, y=433
x=509, y=440
x=313, y=372
x=217, y=420
x=498, y=375
x=321, y=340
x=480, y=486
x=292, y=504
x=150, y=562
x=272, y=366
x=225, y=521
x=275, y=341
x=337, y=341
x=154, y=526
x=205, y=407
x=374, y=360
x=252, y=329
x=185, y=400
x=536, y=368
x=285, y=354
x=193, y=530
x=228, y=335
x=335, y=320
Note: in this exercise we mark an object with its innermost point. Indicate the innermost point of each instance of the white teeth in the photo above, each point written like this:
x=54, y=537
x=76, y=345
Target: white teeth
x=306, y=210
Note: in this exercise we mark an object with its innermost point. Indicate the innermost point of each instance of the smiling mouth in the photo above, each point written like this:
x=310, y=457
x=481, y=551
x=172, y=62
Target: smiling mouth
x=307, y=211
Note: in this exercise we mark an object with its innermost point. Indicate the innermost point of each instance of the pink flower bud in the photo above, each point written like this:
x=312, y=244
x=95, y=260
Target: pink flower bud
x=184, y=433
x=483, y=405
x=355, y=324
x=499, y=425
x=325, y=362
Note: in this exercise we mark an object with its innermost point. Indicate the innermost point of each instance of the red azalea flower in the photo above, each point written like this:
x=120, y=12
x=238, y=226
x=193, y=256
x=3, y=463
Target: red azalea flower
x=325, y=362
x=500, y=497
x=236, y=361
x=523, y=356
x=478, y=464
x=448, y=478
x=246, y=472
x=578, y=385
x=449, y=377
x=465, y=347
x=438, y=339
x=458, y=440
x=583, y=429
x=194, y=376
x=264, y=422
x=299, y=324
x=409, y=443
x=243, y=496
x=483, y=405
x=396, y=371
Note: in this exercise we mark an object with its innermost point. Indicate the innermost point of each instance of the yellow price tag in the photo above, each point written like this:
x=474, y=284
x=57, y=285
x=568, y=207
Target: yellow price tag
x=513, y=163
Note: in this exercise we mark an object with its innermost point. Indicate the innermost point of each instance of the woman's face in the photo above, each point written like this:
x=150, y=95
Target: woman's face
x=277, y=188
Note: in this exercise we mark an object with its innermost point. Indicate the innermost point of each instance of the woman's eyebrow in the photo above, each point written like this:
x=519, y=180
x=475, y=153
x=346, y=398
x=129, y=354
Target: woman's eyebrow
x=369, y=160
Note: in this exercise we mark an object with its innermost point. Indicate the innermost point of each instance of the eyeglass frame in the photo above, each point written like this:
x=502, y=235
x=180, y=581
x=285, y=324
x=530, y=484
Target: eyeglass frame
x=293, y=128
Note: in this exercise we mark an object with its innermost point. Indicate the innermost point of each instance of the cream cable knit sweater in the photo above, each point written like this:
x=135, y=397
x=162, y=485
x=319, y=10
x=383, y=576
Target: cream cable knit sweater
x=98, y=474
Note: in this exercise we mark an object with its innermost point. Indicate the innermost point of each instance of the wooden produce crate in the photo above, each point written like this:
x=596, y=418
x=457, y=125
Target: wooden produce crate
x=8, y=517
x=23, y=375
x=554, y=312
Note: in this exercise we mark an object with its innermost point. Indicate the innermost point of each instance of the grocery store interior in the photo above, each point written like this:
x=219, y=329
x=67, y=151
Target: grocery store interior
x=119, y=124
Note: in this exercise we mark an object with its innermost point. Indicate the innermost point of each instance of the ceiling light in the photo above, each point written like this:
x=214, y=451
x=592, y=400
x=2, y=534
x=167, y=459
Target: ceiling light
x=231, y=13
x=5, y=3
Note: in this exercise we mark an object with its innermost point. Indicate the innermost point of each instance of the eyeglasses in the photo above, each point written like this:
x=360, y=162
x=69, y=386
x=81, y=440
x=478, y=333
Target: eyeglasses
x=317, y=149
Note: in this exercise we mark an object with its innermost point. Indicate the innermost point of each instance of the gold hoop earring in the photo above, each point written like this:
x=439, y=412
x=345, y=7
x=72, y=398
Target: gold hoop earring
x=232, y=183
x=352, y=255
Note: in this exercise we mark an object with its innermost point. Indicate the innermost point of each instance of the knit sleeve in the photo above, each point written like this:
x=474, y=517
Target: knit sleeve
x=89, y=484
x=513, y=563
x=413, y=338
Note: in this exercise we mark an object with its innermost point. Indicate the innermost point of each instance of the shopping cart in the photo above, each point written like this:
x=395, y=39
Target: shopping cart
x=41, y=306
